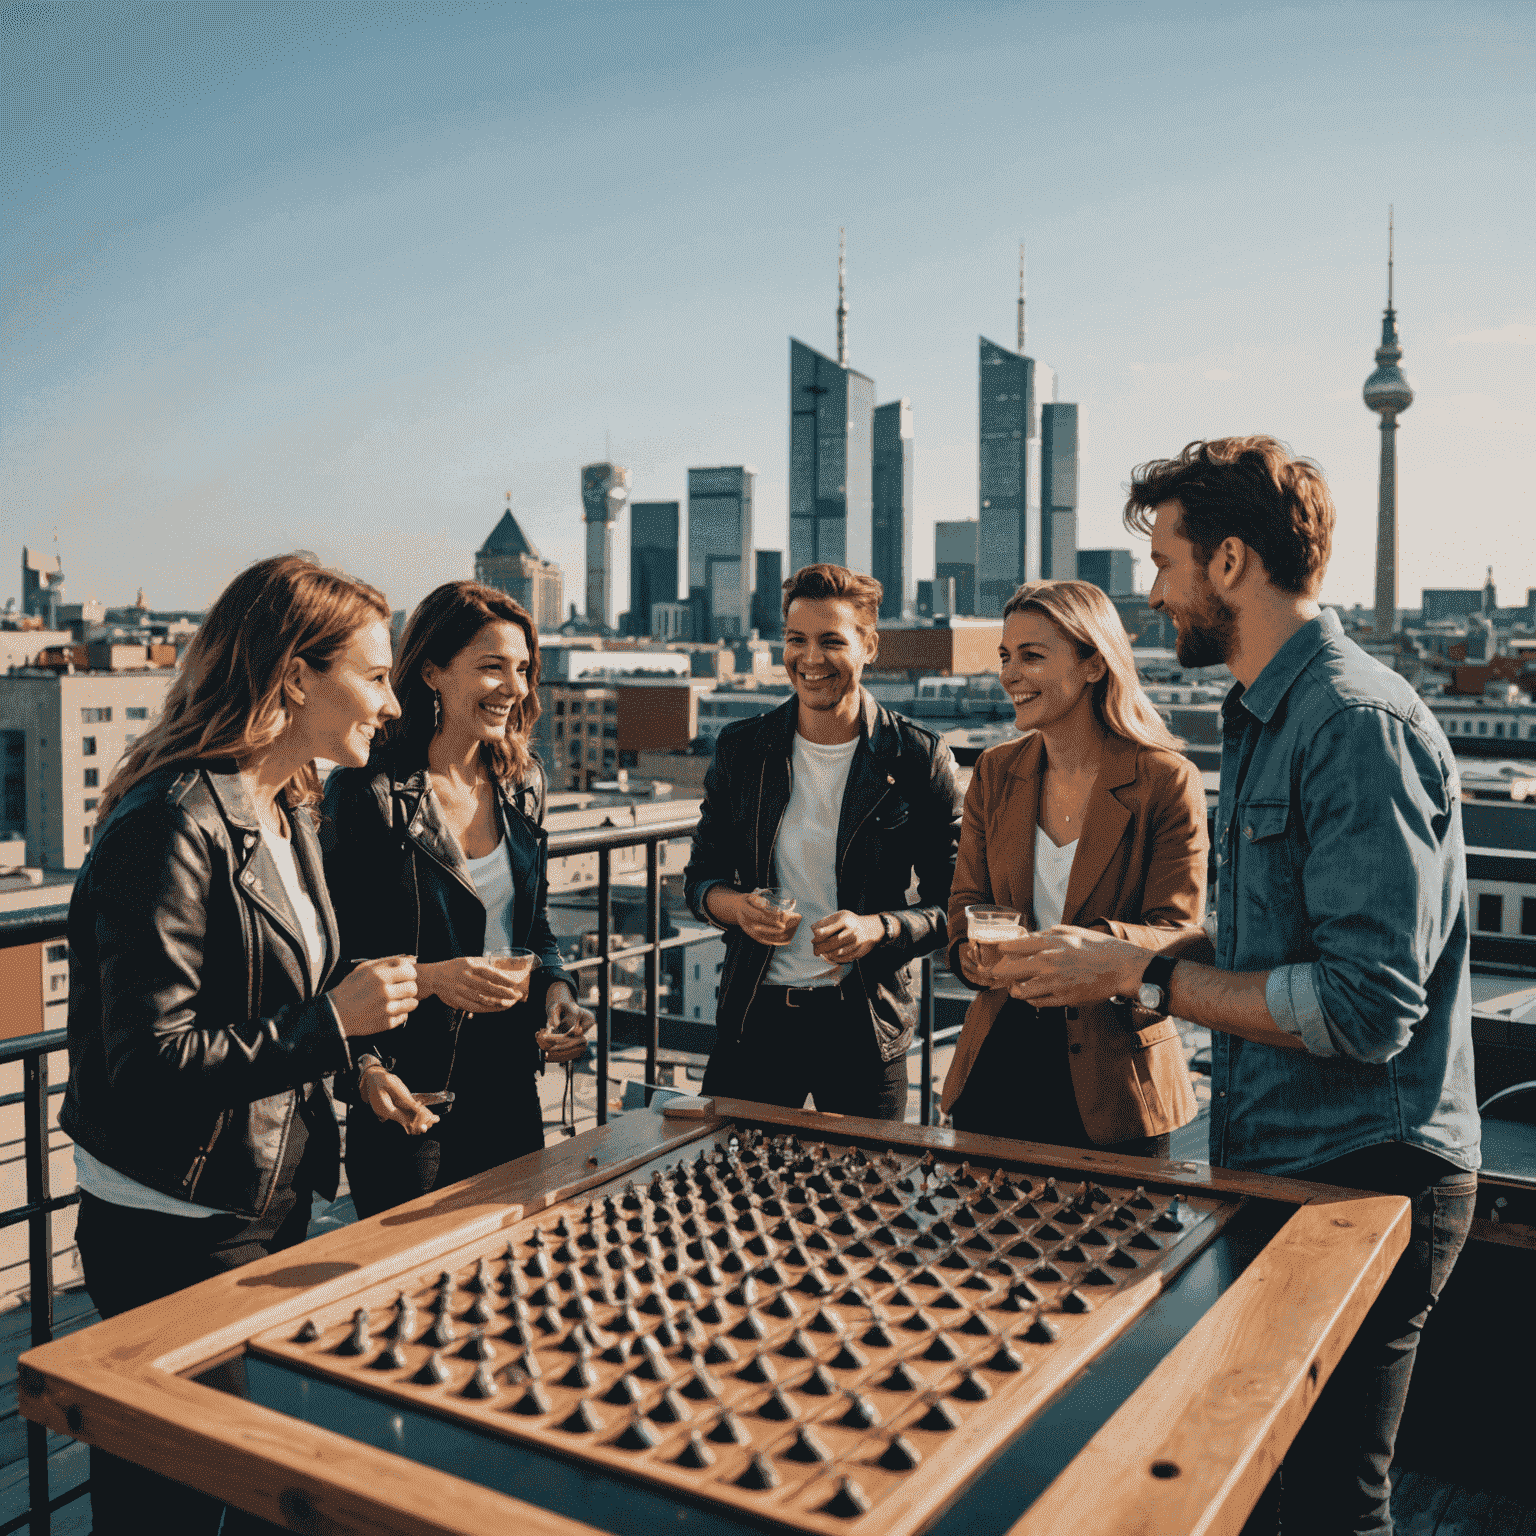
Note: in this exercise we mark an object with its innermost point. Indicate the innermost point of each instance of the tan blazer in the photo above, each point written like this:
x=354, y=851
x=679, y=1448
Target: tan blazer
x=1139, y=872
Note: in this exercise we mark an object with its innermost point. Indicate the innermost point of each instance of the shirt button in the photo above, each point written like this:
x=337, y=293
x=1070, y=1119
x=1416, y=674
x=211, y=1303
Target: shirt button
x=1248, y=833
x=1221, y=1093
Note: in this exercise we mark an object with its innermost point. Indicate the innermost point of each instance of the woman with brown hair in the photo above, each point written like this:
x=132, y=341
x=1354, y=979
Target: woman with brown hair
x=201, y=945
x=438, y=847
x=1092, y=818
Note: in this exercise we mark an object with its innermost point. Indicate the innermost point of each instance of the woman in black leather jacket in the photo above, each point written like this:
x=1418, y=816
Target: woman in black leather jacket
x=201, y=945
x=437, y=848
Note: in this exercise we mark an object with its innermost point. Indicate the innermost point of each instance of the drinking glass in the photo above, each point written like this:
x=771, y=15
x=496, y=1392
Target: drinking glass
x=987, y=927
x=780, y=900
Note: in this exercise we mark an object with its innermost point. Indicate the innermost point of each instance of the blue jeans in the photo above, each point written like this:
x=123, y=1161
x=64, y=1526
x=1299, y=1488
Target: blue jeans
x=1335, y=1479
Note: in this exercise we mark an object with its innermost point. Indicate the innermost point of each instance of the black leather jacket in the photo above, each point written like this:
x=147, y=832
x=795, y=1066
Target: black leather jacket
x=401, y=887
x=901, y=813
x=197, y=1045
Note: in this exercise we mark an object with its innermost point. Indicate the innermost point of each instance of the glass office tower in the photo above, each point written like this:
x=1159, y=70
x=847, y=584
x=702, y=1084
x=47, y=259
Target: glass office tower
x=1011, y=390
x=892, y=506
x=653, y=560
x=768, y=599
x=720, y=551
x=955, y=547
x=1058, y=491
x=831, y=431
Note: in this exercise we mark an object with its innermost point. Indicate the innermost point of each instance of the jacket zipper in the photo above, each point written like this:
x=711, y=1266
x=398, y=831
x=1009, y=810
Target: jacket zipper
x=762, y=780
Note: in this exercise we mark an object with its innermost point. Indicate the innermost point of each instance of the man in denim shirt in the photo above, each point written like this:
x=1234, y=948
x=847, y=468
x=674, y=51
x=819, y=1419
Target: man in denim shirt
x=1339, y=998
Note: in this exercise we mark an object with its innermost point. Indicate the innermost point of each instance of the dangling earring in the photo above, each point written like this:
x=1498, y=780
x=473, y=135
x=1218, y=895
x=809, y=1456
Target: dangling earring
x=437, y=709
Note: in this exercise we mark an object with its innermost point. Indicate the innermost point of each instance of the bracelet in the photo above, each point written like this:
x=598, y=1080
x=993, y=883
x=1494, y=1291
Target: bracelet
x=366, y=1068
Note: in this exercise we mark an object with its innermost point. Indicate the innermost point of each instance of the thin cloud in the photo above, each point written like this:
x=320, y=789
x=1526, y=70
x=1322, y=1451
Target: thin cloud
x=1498, y=336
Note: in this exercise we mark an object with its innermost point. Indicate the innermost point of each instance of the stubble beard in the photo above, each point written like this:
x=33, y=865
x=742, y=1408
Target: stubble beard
x=1205, y=635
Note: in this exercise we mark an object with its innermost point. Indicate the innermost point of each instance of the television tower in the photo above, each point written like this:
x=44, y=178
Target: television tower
x=1022, y=333
x=1387, y=393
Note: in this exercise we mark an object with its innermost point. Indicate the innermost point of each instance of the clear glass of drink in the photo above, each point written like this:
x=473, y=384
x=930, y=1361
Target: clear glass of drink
x=517, y=963
x=782, y=904
x=987, y=927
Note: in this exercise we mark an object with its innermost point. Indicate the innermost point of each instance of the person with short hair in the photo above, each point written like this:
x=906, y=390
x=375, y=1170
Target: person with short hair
x=1337, y=987
x=838, y=802
x=1093, y=816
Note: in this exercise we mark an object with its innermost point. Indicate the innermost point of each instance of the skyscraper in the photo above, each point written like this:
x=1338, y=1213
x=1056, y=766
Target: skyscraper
x=604, y=492
x=891, y=504
x=767, y=598
x=509, y=562
x=1112, y=571
x=1010, y=389
x=653, y=560
x=1387, y=393
x=1028, y=472
x=1058, y=491
x=720, y=551
x=831, y=431
x=955, y=548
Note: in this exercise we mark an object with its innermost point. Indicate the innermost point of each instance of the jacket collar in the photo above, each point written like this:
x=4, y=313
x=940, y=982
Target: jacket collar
x=258, y=874
x=875, y=728
x=1105, y=819
x=1288, y=663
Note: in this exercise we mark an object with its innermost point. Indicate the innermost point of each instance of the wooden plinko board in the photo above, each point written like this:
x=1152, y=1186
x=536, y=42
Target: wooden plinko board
x=800, y=1331
x=127, y=1384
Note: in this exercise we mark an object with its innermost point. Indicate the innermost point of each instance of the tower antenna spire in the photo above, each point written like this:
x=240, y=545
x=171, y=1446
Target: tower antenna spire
x=1390, y=242
x=1021, y=299
x=842, y=297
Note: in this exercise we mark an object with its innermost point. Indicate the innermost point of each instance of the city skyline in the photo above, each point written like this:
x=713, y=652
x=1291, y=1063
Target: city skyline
x=338, y=278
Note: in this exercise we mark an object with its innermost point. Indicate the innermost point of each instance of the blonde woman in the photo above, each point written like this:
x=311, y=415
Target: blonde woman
x=1092, y=818
x=201, y=1030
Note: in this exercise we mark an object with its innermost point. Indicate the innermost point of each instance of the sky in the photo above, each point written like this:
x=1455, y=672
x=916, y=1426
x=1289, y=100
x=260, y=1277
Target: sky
x=341, y=276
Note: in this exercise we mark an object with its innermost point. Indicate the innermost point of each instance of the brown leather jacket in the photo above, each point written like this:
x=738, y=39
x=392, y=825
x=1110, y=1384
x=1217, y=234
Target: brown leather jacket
x=1139, y=872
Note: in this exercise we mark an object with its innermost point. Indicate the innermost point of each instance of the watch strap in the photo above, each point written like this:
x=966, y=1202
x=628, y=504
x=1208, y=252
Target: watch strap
x=1159, y=973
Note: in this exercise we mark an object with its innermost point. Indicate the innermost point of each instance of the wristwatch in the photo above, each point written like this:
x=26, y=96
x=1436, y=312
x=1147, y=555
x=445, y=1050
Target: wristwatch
x=890, y=926
x=1152, y=994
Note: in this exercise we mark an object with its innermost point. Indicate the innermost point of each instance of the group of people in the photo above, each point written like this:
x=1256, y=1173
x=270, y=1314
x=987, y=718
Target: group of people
x=230, y=959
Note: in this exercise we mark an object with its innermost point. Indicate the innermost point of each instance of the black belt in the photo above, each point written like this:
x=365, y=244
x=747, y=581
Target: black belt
x=803, y=997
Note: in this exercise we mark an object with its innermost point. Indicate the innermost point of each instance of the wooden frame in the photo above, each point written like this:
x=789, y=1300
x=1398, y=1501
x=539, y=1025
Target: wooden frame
x=1189, y=1451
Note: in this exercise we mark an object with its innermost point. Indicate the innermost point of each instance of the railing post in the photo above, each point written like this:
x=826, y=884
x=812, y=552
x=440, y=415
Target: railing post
x=925, y=1025
x=652, y=963
x=604, y=970
x=39, y=1268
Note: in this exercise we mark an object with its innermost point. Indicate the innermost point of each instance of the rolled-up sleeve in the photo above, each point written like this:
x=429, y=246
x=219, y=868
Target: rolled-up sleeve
x=1375, y=801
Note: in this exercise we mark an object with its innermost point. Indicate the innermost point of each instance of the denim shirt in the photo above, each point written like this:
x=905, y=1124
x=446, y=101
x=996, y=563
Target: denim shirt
x=1341, y=872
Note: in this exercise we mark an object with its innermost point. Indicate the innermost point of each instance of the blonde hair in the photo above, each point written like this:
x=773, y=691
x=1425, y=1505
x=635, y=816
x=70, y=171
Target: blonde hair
x=230, y=699
x=1088, y=619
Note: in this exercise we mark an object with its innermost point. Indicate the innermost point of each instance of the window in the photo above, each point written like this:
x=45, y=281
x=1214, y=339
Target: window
x=96, y=716
x=53, y=983
x=1490, y=914
x=92, y=778
x=57, y=952
x=87, y=837
x=1482, y=727
x=136, y=712
x=88, y=746
x=90, y=805
x=1528, y=916
x=1498, y=727
x=696, y=973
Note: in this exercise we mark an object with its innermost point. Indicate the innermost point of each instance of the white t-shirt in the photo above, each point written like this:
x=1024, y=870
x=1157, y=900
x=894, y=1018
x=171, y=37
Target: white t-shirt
x=281, y=849
x=493, y=880
x=805, y=857
x=1053, y=869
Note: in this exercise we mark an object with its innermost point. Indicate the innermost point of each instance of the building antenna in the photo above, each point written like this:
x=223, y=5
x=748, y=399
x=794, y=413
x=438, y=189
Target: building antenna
x=1021, y=299
x=842, y=298
x=1389, y=255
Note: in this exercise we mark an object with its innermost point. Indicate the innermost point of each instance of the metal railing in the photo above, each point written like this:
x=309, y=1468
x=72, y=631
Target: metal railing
x=32, y=1051
x=44, y=926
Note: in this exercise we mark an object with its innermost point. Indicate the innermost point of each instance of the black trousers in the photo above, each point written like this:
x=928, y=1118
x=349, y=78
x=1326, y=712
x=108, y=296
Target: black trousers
x=131, y=1257
x=495, y=1117
x=823, y=1045
x=1020, y=1085
x=1334, y=1480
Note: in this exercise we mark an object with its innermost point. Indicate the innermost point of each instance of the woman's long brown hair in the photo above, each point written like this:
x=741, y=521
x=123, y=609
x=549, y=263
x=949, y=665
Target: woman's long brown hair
x=446, y=620
x=229, y=700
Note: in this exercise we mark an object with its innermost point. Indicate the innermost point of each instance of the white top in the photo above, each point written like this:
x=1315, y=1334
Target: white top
x=1053, y=869
x=105, y=1182
x=493, y=880
x=805, y=857
x=281, y=849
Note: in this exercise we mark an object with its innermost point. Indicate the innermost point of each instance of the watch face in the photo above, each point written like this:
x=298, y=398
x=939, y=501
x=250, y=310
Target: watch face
x=1149, y=996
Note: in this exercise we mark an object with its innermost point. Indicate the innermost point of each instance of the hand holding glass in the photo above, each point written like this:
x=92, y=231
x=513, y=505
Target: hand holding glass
x=517, y=963
x=782, y=905
x=987, y=927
